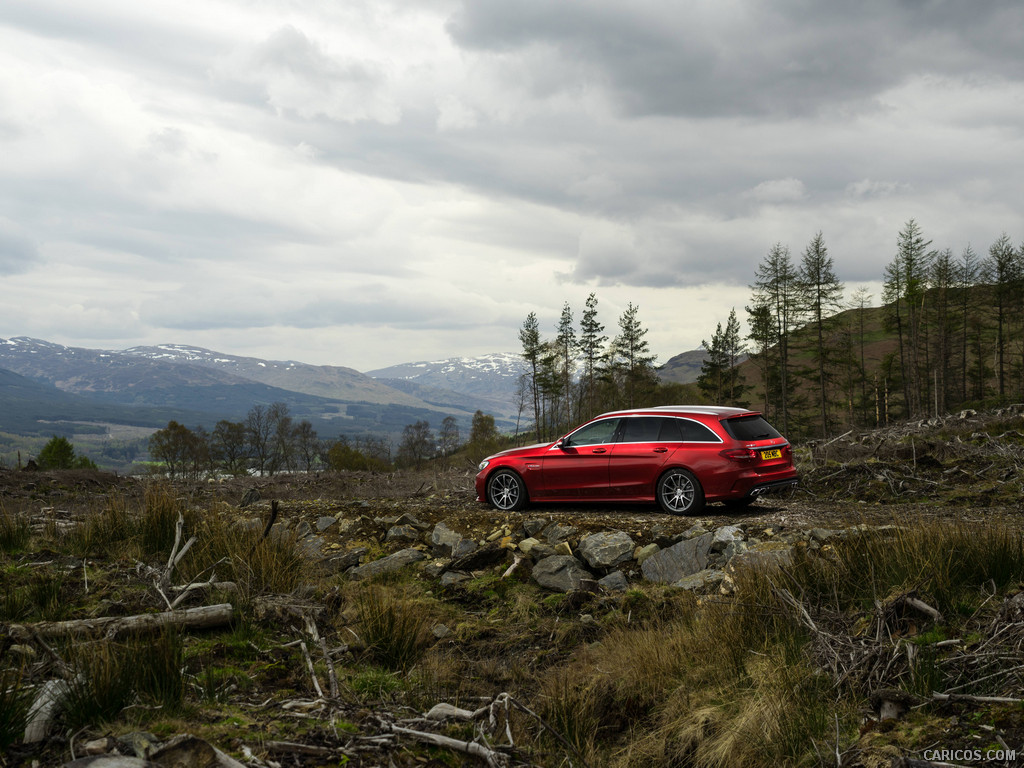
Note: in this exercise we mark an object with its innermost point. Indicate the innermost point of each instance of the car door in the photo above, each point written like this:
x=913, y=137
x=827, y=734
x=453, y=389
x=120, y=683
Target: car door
x=577, y=465
x=644, y=445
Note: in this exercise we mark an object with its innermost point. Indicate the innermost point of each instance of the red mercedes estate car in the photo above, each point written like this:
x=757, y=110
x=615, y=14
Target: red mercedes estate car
x=679, y=455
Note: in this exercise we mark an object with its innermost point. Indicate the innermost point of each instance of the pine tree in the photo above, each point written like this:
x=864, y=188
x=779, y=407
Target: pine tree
x=529, y=337
x=777, y=288
x=1002, y=270
x=592, y=353
x=633, y=356
x=568, y=346
x=822, y=296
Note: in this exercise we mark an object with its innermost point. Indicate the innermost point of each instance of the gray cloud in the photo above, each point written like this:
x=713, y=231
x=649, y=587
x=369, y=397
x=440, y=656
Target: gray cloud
x=17, y=253
x=745, y=59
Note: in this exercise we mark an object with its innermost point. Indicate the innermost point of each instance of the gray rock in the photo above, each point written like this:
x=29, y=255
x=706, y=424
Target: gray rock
x=540, y=551
x=824, y=534
x=734, y=548
x=615, y=581
x=303, y=529
x=642, y=553
x=606, y=549
x=701, y=581
x=560, y=573
x=532, y=527
x=724, y=536
x=764, y=555
x=402, y=533
x=453, y=577
x=407, y=519
x=435, y=569
x=394, y=562
x=558, y=532
x=481, y=558
x=311, y=546
x=670, y=565
x=443, y=539
x=323, y=523
x=464, y=547
x=342, y=562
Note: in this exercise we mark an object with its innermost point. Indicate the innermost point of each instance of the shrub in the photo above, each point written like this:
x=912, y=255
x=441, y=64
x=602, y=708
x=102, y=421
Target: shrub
x=394, y=631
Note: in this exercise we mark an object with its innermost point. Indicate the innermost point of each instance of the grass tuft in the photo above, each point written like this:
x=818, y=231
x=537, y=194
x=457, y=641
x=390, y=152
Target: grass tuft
x=15, y=699
x=394, y=630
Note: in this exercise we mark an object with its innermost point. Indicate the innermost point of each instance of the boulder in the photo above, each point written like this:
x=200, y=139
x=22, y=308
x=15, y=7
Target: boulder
x=481, y=558
x=687, y=557
x=724, y=536
x=615, y=581
x=344, y=561
x=443, y=539
x=394, y=562
x=606, y=549
x=323, y=523
x=702, y=581
x=642, y=553
x=765, y=554
x=560, y=573
x=402, y=533
x=558, y=532
x=531, y=528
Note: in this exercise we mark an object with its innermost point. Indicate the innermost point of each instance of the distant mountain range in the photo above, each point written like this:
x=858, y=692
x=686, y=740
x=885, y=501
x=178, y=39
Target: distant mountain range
x=45, y=382
x=42, y=383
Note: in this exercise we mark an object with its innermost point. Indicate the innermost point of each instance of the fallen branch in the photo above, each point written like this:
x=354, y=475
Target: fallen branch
x=489, y=756
x=203, y=617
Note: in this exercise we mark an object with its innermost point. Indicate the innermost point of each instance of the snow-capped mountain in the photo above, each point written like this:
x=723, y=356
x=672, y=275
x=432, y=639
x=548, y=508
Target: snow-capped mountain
x=202, y=385
x=494, y=376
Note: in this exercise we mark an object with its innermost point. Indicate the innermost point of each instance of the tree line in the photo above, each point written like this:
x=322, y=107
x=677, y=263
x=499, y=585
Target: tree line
x=269, y=441
x=580, y=373
x=950, y=328
x=949, y=334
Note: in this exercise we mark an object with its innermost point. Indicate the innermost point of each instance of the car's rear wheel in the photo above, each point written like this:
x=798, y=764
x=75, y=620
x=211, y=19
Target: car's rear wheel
x=679, y=493
x=506, y=491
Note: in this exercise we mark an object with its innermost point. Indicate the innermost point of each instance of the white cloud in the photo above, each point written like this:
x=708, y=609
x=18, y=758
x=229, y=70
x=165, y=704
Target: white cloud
x=788, y=190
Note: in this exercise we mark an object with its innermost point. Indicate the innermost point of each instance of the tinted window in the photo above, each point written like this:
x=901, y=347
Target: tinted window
x=695, y=432
x=593, y=434
x=671, y=431
x=641, y=429
x=750, y=428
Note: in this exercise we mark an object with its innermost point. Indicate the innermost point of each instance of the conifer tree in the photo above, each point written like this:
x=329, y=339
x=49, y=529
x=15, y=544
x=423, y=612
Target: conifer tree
x=592, y=353
x=822, y=296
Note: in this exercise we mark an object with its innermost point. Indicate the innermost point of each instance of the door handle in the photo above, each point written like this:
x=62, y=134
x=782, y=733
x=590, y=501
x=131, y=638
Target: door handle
x=600, y=450
x=661, y=450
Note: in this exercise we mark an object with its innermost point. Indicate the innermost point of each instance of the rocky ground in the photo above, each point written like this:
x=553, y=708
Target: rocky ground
x=427, y=526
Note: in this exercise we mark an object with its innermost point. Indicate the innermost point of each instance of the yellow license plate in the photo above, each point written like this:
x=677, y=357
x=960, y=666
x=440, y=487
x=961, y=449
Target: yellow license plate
x=775, y=453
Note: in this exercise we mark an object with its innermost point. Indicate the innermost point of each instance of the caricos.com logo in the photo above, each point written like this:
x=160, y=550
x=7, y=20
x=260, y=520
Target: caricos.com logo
x=977, y=755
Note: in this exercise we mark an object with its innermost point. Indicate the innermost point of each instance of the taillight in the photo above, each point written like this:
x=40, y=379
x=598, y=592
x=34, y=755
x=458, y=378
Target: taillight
x=740, y=454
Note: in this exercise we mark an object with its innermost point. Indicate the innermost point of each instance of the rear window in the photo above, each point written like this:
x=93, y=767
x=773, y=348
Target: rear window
x=750, y=428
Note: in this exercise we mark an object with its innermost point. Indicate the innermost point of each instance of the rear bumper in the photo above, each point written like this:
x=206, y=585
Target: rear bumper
x=773, y=486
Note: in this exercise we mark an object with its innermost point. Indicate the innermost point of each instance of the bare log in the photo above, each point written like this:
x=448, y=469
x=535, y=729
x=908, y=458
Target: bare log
x=489, y=756
x=204, y=617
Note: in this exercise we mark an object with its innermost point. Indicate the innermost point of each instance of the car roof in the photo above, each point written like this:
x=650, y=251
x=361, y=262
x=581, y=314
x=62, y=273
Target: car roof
x=720, y=411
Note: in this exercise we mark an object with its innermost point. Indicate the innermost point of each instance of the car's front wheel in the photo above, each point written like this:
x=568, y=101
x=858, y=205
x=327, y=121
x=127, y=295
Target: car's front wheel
x=506, y=491
x=679, y=493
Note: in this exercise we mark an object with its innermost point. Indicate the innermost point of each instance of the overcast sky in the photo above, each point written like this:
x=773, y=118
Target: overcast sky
x=367, y=183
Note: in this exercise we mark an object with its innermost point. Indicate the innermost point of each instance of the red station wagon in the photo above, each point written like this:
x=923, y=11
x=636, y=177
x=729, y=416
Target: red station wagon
x=678, y=455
